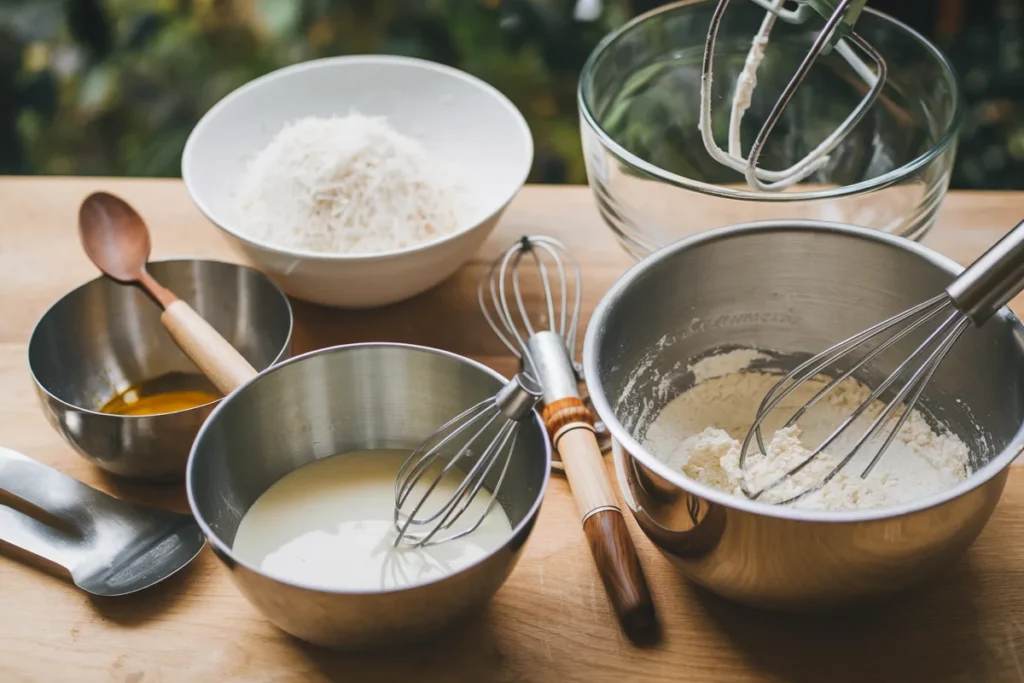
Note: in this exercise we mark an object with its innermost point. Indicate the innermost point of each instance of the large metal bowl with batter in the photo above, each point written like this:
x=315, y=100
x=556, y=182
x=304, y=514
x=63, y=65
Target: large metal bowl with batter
x=796, y=287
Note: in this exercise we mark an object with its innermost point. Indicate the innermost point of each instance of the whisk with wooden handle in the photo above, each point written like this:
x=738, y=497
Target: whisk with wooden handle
x=544, y=344
x=972, y=298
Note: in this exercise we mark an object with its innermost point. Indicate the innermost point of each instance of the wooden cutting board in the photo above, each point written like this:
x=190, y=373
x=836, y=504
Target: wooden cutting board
x=551, y=621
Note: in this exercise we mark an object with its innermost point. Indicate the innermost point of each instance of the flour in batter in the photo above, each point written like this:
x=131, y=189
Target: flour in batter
x=701, y=431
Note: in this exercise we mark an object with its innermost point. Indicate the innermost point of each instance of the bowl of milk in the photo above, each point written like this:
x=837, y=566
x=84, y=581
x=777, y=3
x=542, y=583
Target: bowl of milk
x=292, y=479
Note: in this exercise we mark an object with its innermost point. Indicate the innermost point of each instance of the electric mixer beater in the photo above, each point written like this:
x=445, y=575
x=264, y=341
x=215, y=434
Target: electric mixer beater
x=837, y=33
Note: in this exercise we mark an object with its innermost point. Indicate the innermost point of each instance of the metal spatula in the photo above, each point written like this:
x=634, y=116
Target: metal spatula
x=109, y=547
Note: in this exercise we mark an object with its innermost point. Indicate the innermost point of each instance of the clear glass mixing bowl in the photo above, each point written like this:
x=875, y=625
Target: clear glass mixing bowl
x=639, y=100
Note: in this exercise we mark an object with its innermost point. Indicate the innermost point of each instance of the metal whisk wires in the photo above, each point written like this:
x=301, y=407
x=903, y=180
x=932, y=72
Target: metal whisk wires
x=486, y=431
x=837, y=33
x=974, y=296
x=560, y=278
x=920, y=365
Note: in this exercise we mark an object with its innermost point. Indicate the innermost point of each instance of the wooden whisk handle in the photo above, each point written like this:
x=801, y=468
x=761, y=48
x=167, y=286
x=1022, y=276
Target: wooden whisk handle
x=570, y=425
x=213, y=354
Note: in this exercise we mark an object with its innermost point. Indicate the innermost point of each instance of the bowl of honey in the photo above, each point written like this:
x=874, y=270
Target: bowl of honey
x=115, y=385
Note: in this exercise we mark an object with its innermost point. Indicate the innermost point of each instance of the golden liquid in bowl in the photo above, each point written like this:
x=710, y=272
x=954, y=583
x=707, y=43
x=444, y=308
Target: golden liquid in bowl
x=164, y=394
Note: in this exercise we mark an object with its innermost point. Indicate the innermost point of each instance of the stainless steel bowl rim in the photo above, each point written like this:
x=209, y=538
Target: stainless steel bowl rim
x=636, y=450
x=326, y=62
x=227, y=551
x=877, y=183
x=82, y=409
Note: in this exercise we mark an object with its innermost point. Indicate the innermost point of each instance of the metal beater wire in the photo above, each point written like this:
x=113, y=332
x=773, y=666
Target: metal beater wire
x=977, y=293
x=824, y=360
x=778, y=180
x=505, y=273
x=405, y=482
x=466, y=497
x=488, y=432
x=945, y=336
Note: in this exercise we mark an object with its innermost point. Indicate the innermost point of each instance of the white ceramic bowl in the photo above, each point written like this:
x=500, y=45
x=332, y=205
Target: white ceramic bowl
x=456, y=116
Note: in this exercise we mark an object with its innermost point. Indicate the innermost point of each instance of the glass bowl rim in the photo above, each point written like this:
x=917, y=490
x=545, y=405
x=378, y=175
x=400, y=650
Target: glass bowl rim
x=946, y=139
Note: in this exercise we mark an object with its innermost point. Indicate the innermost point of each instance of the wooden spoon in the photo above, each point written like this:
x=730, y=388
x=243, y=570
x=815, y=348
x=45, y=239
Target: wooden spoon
x=116, y=239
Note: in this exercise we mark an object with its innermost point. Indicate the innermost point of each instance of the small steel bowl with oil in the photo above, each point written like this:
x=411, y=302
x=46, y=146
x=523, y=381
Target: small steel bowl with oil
x=104, y=341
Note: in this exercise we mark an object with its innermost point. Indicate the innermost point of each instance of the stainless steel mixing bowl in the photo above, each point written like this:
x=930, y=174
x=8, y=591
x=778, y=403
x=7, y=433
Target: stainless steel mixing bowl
x=104, y=337
x=343, y=399
x=795, y=287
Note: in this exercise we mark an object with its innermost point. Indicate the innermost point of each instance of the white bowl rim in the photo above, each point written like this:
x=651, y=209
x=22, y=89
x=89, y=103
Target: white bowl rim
x=633, y=447
x=896, y=175
x=220, y=546
x=353, y=60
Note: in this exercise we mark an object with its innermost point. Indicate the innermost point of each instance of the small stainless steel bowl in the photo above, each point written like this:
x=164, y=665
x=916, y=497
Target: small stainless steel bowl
x=338, y=400
x=105, y=337
x=796, y=287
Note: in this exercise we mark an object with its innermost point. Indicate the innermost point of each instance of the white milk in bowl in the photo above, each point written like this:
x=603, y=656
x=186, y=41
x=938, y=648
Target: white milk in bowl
x=329, y=525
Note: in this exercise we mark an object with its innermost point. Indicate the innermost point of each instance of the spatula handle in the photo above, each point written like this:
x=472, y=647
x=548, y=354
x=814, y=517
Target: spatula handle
x=36, y=538
x=569, y=423
x=25, y=481
x=213, y=354
x=44, y=487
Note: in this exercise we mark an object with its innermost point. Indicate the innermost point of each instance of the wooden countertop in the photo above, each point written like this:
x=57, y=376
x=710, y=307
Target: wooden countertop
x=551, y=621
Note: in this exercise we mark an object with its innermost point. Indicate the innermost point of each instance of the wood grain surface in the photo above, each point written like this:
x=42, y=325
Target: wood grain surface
x=552, y=620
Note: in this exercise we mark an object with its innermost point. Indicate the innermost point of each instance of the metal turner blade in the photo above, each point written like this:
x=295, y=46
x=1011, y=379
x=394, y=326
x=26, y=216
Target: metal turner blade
x=108, y=547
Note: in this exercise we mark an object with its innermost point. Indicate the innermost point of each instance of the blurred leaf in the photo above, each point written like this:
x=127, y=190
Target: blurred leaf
x=115, y=86
x=97, y=91
x=280, y=17
x=33, y=20
x=143, y=29
x=39, y=94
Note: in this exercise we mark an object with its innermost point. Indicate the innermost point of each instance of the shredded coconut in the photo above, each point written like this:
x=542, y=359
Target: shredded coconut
x=701, y=431
x=348, y=184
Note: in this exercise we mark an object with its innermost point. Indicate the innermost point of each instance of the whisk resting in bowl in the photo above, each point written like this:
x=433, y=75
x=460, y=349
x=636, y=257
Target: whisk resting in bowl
x=972, y=298
x=837, y=33
x=486, y=431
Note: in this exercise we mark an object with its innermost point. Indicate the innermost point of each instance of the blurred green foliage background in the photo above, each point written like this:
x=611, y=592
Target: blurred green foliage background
x=113, y=87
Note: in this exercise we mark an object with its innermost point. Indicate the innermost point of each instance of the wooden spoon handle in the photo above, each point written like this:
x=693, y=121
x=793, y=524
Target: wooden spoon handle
x=610, y=542
x=214, y=355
